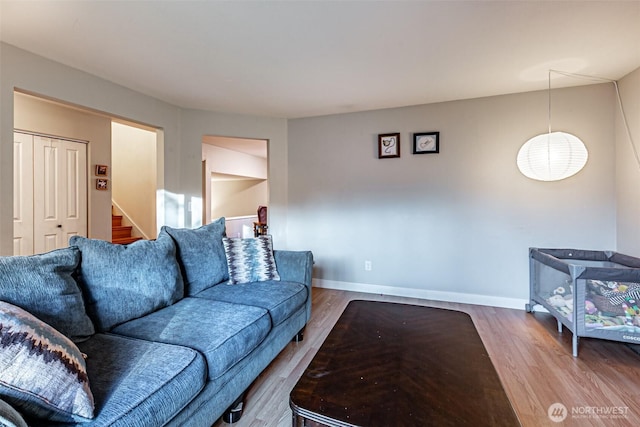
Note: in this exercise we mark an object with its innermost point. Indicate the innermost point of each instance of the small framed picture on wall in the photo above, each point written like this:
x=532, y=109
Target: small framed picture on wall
x=101, y=170
x=426, y=142
x=388, y=145
x=102, y=184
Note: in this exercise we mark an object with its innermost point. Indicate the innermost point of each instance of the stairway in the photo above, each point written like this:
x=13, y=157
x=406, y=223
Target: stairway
x=121, y=234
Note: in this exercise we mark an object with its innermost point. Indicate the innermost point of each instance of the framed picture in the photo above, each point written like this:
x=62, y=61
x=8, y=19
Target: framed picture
x=388, y=145
x=426, y=142
x=102, y=184
x=101, y=170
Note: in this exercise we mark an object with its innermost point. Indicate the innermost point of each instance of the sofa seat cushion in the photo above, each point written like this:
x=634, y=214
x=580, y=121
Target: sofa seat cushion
x=142, y=383
x=281, y=299
x=223, y=332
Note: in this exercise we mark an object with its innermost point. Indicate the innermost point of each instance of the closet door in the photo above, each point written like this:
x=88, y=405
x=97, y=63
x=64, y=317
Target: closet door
x=59, y=192
x=49, y=193
x=22, y=194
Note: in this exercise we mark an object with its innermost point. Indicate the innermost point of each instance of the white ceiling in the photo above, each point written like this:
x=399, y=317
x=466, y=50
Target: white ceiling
x=304, y=58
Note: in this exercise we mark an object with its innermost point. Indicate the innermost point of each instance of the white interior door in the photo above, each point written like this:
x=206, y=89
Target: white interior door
x=58, y=192
x=22, y=194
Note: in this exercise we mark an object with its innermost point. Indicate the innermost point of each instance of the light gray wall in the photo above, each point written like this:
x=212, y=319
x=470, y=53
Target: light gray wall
x=452, y=224
x=34, y=74
x=181, y=135
x=444, y=225
x=628, y=167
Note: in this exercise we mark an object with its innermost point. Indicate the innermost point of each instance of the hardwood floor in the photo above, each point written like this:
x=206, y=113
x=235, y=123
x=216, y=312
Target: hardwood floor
x=599, y=388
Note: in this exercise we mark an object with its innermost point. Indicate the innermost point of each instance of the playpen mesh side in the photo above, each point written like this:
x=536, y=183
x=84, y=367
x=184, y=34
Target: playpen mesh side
x=555, y=287
x=603, y=288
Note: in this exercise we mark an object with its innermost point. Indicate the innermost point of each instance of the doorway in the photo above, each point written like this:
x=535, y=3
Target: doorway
x=50, y=192
x=135, y=177
x=41, y=116
x=235, y=181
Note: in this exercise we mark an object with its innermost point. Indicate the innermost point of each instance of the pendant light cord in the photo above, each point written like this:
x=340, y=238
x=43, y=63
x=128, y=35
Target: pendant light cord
x=549, y=90
x=622, y=112
x=626, y=124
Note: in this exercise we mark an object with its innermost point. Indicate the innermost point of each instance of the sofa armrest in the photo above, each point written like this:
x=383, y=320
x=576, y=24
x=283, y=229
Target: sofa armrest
x=294, y=266
x=9, y=416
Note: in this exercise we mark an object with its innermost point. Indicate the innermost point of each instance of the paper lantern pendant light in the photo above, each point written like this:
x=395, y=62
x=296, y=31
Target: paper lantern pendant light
x=552, y=156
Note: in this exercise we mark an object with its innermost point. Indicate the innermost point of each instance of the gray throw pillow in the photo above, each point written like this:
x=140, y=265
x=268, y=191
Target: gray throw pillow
x=124, y=282
x=201, y=255
x=44, y=285
x=43, y=372
x=250, y=260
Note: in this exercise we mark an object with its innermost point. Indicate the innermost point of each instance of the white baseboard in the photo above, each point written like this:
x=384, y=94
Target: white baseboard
x=476, y=299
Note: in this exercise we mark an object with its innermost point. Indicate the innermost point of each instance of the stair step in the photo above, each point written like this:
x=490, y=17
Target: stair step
x=121, y=231
x=121, y=234
x=125, y=240
x=116, y=220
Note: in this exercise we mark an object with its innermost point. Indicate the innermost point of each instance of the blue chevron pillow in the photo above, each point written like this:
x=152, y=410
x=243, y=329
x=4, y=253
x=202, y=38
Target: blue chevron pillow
x=250, y=260
x=43, y=373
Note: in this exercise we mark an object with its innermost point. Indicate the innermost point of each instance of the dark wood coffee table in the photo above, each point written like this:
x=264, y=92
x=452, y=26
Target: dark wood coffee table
x=387, y=364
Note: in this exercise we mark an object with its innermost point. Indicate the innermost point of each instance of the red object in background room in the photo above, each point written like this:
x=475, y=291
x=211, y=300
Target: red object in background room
x=260, y=227
x=262, y=214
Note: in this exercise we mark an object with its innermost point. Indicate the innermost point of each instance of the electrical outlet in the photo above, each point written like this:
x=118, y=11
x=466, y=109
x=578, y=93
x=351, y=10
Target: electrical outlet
x=367, y=266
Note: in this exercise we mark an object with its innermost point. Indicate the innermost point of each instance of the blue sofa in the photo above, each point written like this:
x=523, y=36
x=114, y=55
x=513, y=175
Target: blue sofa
x=172, y=331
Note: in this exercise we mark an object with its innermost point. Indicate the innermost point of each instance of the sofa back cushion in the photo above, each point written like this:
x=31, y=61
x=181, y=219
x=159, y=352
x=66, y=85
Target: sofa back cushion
x=124, y=282
x=44, y=285
x=201, y=255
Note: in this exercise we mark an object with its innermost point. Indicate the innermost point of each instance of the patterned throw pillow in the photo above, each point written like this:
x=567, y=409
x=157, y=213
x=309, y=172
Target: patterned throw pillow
x=42, y=373
x=250, y=260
